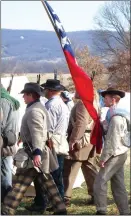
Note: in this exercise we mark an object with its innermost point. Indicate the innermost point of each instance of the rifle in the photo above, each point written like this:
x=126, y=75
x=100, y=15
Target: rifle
x=55, y=74
x=28, y=149
x=10, y=84
x=38, y=79
x=93, y=75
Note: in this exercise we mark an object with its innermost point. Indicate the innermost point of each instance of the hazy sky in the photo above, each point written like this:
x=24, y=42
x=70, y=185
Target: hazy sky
x=75, y=15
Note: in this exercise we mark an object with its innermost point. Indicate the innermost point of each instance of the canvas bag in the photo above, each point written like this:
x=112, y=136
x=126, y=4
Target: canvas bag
x=21, y=158
x=60, y=144
x=126, y=139
x=126, y=136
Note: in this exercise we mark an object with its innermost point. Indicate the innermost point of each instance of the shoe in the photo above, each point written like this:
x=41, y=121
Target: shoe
x=100, y=213
x=3, y=213
x=67, y=201
x=7, y=211
x=60, y=213
x=35, y=207
x=91, y=201
x=50, y=208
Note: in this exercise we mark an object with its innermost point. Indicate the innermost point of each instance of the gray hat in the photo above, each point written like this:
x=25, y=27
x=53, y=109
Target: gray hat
x=53, y=84
x=32, y=87
x=112, y=91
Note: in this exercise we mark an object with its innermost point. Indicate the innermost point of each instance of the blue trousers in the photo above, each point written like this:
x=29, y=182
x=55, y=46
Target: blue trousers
x=6, y=175
x=40, y=198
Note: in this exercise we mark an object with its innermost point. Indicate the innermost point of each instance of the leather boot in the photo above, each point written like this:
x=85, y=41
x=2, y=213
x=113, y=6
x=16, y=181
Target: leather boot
x=60, y=213
x=91, y=201
x=100, y=213
x=35, y=207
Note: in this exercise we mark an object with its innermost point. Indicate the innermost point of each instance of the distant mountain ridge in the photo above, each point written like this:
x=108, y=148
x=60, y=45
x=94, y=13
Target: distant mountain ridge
x=40, y=47
x=37, y=45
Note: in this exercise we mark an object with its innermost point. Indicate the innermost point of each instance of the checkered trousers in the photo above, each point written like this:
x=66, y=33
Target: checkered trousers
x=23, y=181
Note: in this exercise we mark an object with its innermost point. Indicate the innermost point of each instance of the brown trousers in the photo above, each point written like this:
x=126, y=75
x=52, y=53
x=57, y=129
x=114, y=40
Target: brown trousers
x=20, y=186
x=71, y=169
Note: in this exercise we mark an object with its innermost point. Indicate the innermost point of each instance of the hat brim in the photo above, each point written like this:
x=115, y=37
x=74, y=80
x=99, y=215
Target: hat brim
x=117, y=92
x=30, y=91
x=56, y=88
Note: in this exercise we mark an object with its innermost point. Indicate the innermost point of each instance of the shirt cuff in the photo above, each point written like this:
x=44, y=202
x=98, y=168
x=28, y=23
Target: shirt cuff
x=37, y=152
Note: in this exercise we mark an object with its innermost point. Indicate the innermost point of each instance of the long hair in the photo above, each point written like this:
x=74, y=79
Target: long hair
x=35, y=96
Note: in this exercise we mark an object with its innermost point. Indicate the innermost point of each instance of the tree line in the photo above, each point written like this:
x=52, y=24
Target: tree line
x=113, y=16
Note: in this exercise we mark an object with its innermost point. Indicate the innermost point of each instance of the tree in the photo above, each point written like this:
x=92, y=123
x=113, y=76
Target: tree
x=113, y=28
x=120, y=71
x=90, y=64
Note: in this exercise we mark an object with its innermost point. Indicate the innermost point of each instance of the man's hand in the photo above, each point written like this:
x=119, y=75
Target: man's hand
x=37, y=160
x=19, y=141
x=101, y=164
x=71, y=146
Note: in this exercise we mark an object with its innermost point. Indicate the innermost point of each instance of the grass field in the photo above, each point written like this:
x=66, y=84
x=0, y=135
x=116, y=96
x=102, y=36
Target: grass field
x=79, y=201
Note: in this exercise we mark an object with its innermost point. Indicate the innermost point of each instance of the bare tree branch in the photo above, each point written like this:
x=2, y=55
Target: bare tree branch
x=93, y=66
x=113, y=27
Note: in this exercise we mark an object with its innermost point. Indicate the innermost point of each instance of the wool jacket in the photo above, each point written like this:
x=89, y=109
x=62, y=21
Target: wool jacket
x=34, y=130
x=9, y=128
x=79, y=129
x=113, y=145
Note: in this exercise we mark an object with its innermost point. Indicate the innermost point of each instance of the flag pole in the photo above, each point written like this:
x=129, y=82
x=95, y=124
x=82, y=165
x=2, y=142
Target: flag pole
x=87, y=102
x=46, y=9
x=43, y=2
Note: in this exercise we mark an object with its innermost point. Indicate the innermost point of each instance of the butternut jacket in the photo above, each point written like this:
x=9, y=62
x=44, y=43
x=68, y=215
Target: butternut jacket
x=79, y=129
x=34, y=130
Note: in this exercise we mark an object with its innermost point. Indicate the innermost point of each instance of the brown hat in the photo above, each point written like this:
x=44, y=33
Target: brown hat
x=53, y=84
x=112, y=91
x=31, y=87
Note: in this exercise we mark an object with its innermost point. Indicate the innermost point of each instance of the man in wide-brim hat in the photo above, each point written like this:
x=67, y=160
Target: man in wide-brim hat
x=53, y=84
x=113, y=156
x=32, y=87
x=113, y=91
x=59, y=117
x=40, y=160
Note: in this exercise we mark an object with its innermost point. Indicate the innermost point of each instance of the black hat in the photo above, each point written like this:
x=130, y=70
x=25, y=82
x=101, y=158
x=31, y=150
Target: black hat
x=53, y=84
x=31, y=87
x=112, y=91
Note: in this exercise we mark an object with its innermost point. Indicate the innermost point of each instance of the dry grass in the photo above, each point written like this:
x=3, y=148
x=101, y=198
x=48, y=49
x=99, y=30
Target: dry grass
x=62, y=77
x=79, y=201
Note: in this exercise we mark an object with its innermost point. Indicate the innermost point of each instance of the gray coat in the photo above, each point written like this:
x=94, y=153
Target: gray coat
x=9, y=127
x=34, y=130
x=113, y=145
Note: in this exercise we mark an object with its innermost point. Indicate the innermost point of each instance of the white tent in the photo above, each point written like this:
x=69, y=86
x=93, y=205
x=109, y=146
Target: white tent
x=79, y=179
x=124, y=103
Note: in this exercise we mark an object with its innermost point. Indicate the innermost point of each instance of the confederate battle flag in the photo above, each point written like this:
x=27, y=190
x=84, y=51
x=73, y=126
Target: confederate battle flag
x=82, y=81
